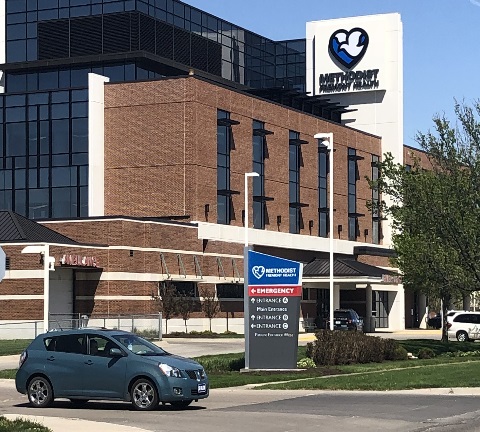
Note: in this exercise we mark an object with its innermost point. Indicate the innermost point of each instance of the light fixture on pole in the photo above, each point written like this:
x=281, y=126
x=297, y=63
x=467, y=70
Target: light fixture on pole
x=327, y=141
x=249, y=174
x=48, y=265
x=245, y=273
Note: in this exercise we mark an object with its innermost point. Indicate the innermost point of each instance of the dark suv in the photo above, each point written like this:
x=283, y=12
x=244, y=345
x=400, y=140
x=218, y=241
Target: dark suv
x=346, y=319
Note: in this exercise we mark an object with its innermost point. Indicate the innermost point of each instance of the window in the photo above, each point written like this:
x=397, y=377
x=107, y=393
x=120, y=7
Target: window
x=353, y=176
x=307, y=294
x=294, y=162
x=72, y=343
x=224, y=136
x=323, y=209
x=232, y=291
x=380, y=308
x=100, y=346
x=49, y=152
x=376, y=221
x=259, y=151
x=187, y=289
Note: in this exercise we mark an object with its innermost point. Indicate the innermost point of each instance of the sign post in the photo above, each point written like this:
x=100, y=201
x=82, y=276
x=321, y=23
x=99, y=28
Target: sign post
x=271, y=318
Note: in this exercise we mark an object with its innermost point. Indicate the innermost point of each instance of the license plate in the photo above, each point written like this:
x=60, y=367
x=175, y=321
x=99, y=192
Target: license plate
x=337, y=322
x=202, y=388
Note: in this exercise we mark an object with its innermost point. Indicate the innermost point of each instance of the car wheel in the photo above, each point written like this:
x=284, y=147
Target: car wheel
x=79, y=402
x=40, y=392
x=181, y=404
x=462, y=336
x=144, y=395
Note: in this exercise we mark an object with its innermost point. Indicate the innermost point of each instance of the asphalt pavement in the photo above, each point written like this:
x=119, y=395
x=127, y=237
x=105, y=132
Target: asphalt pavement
x=200, y=347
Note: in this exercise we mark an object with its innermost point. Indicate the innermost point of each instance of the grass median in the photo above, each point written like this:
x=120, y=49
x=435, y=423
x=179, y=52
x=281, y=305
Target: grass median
x=453, y=366
x=440, y=375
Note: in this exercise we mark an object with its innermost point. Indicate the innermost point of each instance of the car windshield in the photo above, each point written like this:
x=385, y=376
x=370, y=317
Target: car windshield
x=341, y=314
x=139, y=346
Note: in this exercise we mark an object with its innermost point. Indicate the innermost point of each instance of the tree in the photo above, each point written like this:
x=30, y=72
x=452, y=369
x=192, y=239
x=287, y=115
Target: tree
x=210, y=304
x=185, y=307
x=435, y=209
x=168, y=301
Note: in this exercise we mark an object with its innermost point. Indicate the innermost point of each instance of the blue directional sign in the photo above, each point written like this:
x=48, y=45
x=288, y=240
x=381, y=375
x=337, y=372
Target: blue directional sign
x=266, y=269
x=272, y=310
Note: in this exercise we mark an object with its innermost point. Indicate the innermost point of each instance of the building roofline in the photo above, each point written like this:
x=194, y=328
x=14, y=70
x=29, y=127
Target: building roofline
x=244, y=91
x=415, y=149
x=152, y=219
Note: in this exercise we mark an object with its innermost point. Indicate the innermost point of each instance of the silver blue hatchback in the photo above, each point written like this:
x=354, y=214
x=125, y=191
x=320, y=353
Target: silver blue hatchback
x=101, y=364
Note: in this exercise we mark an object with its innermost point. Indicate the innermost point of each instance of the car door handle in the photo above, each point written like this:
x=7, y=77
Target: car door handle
x=51, y=358
x=89, y=362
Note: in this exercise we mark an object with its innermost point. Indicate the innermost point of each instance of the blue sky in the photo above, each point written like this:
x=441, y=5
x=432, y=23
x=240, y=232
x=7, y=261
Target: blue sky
x=441, y=41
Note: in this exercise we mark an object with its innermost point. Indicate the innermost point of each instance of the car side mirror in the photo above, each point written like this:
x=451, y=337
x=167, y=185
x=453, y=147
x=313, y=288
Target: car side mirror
x=115, y=352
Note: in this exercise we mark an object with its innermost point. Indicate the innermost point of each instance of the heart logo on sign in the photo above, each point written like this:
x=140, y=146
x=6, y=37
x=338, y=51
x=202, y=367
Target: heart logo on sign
x=348, y=47
x=258, y=271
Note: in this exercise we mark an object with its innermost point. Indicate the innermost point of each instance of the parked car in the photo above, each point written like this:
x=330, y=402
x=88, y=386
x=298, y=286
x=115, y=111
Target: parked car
x=346, y=319
x=107, y=364
x=464, y=326
x=436, y=321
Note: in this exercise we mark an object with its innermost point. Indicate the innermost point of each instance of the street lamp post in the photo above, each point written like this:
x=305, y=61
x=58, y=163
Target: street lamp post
x=327, y=141
x=249, y=174
x=246, y=318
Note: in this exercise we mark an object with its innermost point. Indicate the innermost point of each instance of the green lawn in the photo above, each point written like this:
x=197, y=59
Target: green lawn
x=13, y=346
x=8, y=373
x=446, y=375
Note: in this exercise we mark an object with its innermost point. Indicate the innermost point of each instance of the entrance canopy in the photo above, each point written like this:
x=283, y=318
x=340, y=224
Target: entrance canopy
x=347, y=270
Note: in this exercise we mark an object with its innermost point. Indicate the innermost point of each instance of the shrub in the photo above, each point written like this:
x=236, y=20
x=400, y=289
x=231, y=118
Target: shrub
x=426, y=353
x=224, y=363
x=309, y=350
x=20, y=425
x=306, y=363
x=229, y=333
x=147, y=333
x=400, y=353
x=475, y=353
x=345, y=347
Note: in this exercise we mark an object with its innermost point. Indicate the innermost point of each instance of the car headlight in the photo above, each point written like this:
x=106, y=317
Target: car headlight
x=170, y=371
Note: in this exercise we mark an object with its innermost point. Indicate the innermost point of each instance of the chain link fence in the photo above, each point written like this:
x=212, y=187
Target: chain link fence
x=148, y=326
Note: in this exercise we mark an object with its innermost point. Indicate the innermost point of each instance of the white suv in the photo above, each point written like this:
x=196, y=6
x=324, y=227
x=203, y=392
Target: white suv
x=464, y=326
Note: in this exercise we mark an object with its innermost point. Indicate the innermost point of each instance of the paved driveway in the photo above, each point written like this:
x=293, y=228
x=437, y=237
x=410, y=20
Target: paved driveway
x=242, y=410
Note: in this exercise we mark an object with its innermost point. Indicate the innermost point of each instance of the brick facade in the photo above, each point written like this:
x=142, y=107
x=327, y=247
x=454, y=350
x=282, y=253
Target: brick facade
x=160, y=161
x=162, y=136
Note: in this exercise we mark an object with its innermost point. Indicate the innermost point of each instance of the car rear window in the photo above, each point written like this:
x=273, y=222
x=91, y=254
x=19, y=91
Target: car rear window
x=468, y=318
x=72, y=343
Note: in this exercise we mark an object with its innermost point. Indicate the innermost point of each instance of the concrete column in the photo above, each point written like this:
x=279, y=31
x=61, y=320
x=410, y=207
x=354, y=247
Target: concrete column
x=422, y=311
x=96, y=144
x=369, y=296
x=336, y=297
